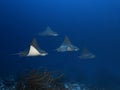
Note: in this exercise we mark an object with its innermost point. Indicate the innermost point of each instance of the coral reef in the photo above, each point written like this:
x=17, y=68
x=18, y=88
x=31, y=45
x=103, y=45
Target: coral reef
x=40, y=80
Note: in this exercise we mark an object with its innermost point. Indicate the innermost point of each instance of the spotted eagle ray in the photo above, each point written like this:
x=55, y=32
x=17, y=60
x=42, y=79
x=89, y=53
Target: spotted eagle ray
x=33, y=50
x=86, y=54
x=48, y=32
x=67, y=46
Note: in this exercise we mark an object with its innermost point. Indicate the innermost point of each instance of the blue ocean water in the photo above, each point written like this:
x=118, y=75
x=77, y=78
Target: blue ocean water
x=94, y=24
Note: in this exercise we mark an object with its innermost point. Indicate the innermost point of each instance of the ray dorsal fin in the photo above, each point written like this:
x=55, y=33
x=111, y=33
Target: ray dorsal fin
x=66, y=41
x=34, y=43
x=34, y=48
x=85, y=50
x=49, y=30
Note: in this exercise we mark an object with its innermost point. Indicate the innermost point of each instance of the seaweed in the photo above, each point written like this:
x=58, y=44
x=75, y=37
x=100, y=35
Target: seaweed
x=40, y=80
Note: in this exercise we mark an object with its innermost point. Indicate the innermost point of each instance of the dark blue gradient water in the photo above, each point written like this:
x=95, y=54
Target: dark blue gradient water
x=94, y=24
